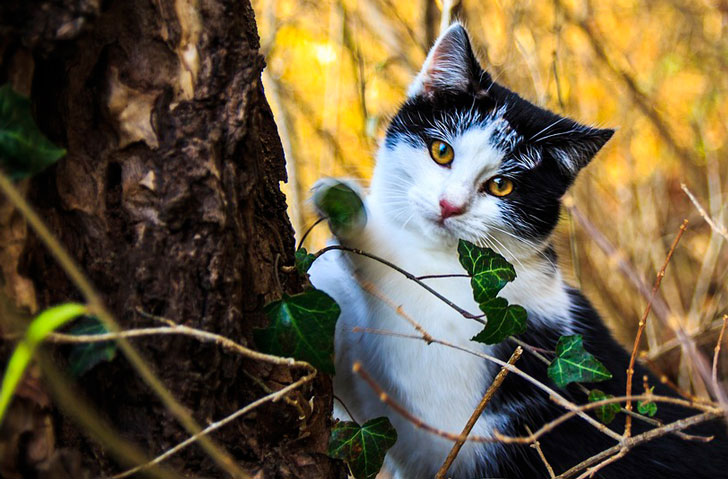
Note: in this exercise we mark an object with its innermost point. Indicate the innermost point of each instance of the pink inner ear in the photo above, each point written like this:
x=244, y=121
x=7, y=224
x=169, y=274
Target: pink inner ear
x=450, y=63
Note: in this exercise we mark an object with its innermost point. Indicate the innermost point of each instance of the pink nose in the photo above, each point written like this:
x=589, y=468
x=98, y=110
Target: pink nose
x=448, y=209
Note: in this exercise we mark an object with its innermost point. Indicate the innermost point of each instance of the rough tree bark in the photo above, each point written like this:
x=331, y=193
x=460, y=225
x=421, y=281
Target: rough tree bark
x=169, y=198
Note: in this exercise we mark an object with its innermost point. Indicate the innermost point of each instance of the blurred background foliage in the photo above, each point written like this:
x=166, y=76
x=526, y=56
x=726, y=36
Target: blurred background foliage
x=656, y=70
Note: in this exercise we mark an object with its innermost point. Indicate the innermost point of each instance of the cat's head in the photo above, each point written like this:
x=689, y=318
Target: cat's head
x=465, y=157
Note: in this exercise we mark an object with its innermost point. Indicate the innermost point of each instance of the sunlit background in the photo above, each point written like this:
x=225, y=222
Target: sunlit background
x=656, y=70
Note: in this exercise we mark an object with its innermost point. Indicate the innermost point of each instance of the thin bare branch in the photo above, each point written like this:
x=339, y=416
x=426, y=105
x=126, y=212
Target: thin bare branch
x=537, y=445
x=720, y=229
x=716, y=355
x=216, y=425
x=405, y=273
x=642, y=438
x=224, y=342
x=371, y=289
x=643, y=323
x=595, y=468
x=477, y=412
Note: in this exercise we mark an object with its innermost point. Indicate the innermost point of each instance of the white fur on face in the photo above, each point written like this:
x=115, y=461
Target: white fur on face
x=409, y=185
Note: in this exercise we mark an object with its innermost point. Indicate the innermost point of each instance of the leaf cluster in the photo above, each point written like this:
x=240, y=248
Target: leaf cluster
x=489, y=273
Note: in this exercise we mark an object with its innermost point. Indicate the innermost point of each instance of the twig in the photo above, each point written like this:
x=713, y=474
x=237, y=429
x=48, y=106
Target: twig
x=553, y=395
x=664, y=379
x=343, y=404
x=308, y=230
x=403, y=272
x=371, y=289
x=96, y=304
x=477, y=412
x=643, y=323
x=216, y=425
x=399, y=409
x=438, y=276
x=537, y=445
x=717, y=352
x=224, y=342
x=720, y=229
x=633, y=441
x=594, y=469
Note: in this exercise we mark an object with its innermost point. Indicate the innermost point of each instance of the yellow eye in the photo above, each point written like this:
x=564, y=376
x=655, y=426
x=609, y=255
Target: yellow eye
x=441, y=152
x=499, y=186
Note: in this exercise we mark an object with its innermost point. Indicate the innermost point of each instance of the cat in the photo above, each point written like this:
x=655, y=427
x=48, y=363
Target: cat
x=466, y=158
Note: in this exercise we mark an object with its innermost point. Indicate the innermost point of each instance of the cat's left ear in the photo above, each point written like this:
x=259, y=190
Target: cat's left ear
x=575, y=148
x=450, y=66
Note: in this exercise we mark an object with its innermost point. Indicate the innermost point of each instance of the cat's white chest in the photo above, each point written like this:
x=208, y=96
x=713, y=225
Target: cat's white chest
x=439, y=385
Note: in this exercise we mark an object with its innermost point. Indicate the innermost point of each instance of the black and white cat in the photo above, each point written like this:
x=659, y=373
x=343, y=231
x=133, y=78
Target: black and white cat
x=467, y=158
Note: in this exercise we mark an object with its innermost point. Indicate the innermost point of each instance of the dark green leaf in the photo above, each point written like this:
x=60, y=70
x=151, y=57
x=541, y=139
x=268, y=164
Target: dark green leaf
x=489, y=271
x=607, y=412
x=304, y=260
x=301, y=326
x=362, y=447
x=83, y=357
x=342, y=206
x=503, y=321
x=574, y=364
x=24, y=150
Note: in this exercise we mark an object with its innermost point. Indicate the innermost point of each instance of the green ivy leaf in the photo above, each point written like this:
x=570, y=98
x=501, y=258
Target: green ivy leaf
x=648, y=408
x=304, y=260
x=489, y=271
x=503, y=321
x=574, y=364
x=343, y=207
x=607, y=412
x=24, y=150
x=301, y=326
x=362, y=447
x=84, y=357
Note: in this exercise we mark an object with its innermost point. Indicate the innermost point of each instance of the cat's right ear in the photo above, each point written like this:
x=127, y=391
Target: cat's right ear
x=450, y=66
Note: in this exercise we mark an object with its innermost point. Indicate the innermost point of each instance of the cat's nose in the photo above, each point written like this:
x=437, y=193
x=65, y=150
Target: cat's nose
x=448, y=209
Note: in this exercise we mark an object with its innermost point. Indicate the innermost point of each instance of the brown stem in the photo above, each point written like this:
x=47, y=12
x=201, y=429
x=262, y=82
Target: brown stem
x=643, y=323
x=717, y=352
x=477, y=412
x=406, y=274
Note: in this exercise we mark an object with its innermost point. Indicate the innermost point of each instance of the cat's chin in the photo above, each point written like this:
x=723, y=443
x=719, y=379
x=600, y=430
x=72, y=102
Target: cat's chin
x=435, y=233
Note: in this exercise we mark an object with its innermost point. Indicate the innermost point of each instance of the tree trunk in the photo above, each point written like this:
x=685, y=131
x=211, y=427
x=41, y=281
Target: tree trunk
x=169, y=199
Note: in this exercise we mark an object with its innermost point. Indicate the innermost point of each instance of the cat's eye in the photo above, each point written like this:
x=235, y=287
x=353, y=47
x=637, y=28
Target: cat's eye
x=499, y=186
x=441, y=152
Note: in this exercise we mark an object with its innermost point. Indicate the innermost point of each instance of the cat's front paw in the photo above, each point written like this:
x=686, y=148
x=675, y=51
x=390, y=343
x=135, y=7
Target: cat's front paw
x=341, y=203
